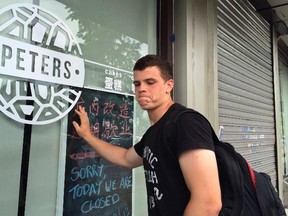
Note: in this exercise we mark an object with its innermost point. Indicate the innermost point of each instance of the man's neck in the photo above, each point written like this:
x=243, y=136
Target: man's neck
x=156, y=114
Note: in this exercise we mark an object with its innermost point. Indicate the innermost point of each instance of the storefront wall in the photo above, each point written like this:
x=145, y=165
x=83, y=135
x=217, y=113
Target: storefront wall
x=55, y=56
x=225, y=69
x=283, y=68
x=283, y=80
x=283, y=71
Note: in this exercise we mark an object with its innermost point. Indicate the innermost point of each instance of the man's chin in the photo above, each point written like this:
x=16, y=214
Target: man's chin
x=144, y=105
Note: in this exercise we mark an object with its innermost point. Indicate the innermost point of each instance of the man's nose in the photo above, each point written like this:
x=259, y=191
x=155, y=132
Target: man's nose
x=141, y=88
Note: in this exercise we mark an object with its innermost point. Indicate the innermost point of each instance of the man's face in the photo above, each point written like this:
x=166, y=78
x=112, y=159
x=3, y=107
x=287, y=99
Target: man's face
x=151, y=89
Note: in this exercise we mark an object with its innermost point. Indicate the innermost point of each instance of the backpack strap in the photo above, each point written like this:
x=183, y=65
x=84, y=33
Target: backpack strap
x=179, y=110
x=252, y=174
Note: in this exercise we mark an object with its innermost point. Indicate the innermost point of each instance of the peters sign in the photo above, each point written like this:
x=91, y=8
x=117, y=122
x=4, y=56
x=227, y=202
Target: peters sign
x=40, y=63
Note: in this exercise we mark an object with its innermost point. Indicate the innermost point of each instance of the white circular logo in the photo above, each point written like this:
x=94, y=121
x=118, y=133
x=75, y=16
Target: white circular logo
x=40, y=64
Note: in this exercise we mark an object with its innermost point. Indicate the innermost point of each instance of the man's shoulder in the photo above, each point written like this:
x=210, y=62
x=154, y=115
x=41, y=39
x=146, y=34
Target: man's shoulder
x=177, y=110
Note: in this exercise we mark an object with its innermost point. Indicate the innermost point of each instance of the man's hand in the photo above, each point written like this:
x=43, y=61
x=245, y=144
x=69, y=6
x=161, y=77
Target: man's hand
x=83, y=130
x=113, y=153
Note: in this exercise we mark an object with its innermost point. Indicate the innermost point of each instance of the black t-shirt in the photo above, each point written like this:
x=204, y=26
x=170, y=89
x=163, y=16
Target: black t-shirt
x=167, y=193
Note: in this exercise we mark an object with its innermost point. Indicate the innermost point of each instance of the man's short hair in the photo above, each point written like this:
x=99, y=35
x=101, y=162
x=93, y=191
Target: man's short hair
x=155, y=60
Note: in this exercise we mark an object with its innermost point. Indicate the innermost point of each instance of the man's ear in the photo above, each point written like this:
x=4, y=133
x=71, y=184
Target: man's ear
x=169, y=85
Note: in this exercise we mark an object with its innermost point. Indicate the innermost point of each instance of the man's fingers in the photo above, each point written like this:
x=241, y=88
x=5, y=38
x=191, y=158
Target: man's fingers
x=83, y=118
x=76, y=125
x=80, y=111
x=76, y=111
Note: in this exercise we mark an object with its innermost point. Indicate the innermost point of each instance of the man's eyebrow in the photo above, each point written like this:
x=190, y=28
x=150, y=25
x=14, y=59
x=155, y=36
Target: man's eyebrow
x=145, y=80
x=149, y=79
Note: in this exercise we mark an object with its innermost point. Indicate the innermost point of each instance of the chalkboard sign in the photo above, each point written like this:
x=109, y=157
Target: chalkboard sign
x=94, y=186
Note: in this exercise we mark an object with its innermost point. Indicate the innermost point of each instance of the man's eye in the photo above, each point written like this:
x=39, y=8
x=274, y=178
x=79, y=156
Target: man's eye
x=136, y=84
x=150, y=82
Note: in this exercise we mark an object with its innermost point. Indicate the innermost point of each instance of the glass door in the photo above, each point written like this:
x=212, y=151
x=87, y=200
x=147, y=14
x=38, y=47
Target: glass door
x=55, y=56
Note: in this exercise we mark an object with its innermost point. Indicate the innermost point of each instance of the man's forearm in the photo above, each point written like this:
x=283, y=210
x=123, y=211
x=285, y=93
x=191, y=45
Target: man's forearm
x=112, y=153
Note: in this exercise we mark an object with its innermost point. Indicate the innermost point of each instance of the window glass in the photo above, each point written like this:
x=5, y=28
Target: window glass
x=55, y=55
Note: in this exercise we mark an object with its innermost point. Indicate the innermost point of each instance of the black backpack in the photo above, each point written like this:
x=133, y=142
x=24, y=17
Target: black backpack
x=245, y=192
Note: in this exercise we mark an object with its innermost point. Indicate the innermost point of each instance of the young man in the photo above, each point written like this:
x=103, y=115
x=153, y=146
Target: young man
x=182, y=177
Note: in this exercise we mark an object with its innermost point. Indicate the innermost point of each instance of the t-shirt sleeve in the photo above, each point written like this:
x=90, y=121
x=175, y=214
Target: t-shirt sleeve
x=139, y=148
x=193, y=131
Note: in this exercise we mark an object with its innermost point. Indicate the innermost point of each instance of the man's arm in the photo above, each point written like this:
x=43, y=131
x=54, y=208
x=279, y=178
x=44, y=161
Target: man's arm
x=123, y=157
x=200, y=171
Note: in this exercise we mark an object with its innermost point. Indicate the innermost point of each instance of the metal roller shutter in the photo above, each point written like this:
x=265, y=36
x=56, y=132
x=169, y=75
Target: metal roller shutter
x=246, y=99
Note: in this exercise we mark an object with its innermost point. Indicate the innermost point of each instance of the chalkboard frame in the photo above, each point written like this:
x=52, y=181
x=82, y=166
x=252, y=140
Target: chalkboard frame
x=125, y=139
